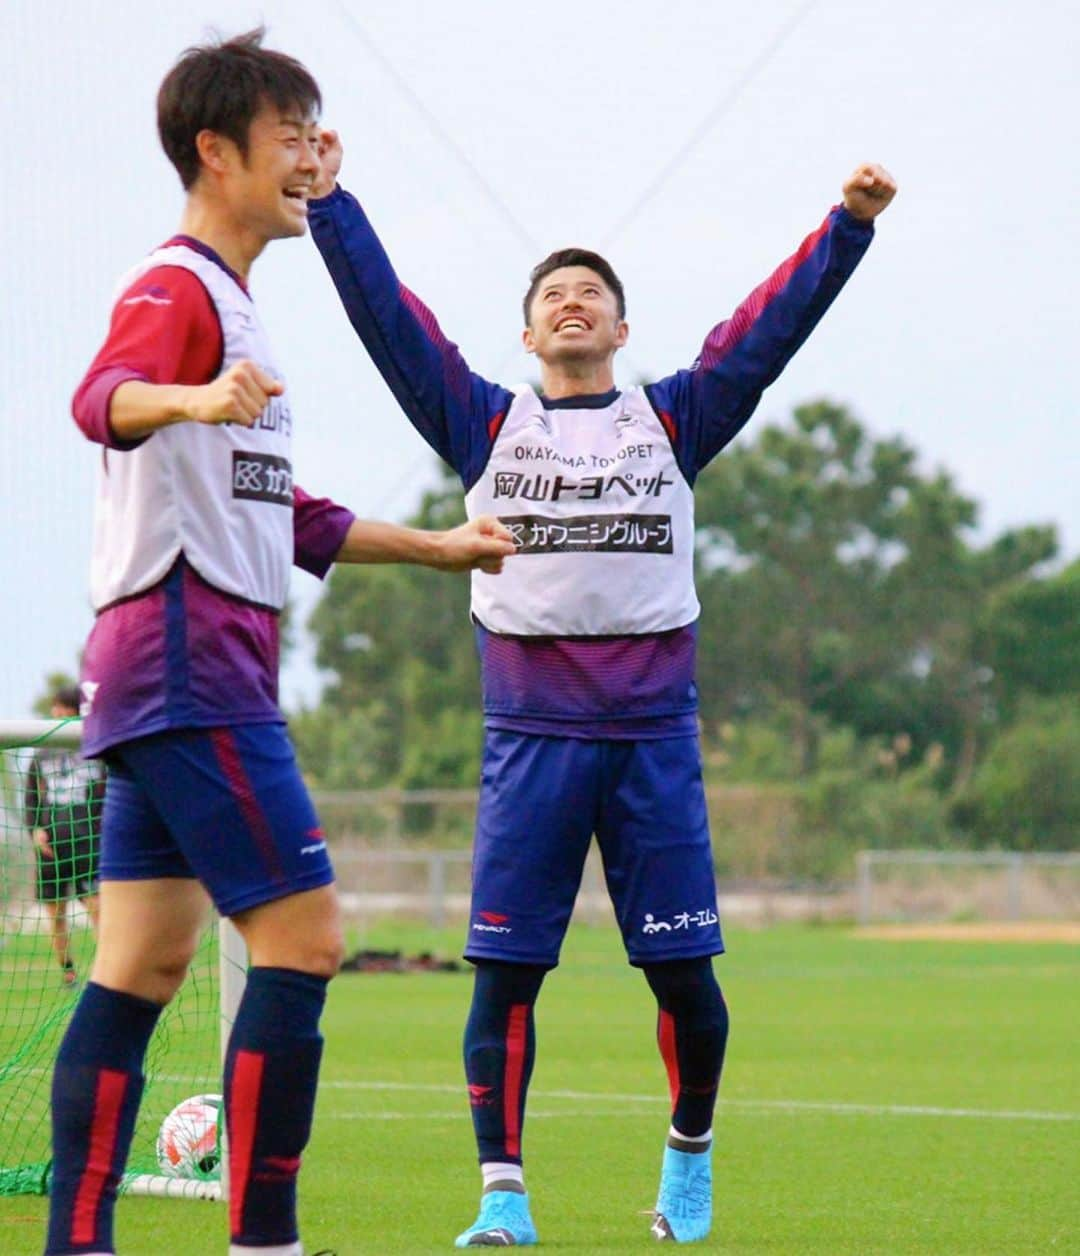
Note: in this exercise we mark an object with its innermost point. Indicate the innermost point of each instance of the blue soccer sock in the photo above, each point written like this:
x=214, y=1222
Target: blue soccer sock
x=96, y=1087
x=692, y=1031
x=500, y=1047
x=271, y=1075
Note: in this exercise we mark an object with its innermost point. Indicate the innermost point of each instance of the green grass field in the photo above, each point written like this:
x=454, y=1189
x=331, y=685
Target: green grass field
x=879, y=1097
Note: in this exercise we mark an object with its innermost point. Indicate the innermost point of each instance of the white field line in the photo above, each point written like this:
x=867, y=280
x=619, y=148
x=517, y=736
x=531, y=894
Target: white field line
x=789, y=1106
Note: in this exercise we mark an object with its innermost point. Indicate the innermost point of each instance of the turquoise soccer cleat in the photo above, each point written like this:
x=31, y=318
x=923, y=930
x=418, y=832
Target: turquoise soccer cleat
x=684, y=1206
x=504, y=1221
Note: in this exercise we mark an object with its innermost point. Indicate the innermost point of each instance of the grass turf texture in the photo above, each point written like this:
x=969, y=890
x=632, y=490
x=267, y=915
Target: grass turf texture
x=820, y=1019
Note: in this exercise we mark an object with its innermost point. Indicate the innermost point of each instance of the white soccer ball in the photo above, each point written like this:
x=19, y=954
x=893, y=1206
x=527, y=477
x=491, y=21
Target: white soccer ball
x=189, y=1141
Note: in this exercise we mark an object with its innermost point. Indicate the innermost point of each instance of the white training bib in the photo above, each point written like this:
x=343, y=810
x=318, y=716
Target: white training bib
x=222, y=495
x=602, y=517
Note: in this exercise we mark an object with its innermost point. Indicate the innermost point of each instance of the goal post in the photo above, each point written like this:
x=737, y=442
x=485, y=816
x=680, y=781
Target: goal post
x=186, y=1053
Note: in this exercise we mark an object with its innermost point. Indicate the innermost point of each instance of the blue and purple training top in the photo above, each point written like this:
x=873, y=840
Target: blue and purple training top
x=597, y=684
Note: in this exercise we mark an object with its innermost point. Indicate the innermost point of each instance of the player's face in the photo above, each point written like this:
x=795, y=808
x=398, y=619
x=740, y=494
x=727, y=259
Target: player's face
x=270, y=187
x=574, y=317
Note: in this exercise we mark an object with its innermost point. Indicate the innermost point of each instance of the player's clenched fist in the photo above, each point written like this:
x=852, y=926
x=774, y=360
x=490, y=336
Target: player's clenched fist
x=868, y=191
x=238, y=395
x=330, y=157
x=482, y=542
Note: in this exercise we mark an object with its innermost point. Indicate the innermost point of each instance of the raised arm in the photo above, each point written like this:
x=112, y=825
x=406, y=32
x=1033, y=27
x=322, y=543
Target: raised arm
x=706, y=406
x=452, y=407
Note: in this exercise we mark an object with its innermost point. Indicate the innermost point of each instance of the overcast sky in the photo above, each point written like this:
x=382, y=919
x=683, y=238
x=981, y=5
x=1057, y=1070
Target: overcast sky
x=694, y=143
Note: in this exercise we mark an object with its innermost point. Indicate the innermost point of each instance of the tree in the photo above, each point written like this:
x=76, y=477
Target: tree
x=398, y=641
x=798, y=535
x=1025, y=795
x=840, y=584
x=1031, y=638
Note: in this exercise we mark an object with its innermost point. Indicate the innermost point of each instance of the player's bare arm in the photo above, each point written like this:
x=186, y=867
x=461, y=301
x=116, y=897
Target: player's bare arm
x=867, y=192
x=481, y=543
x=41, y=841
x=239, y=395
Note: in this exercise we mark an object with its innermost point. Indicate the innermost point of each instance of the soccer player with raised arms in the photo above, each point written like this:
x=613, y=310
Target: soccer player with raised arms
x=197, y=524
x=587, y=648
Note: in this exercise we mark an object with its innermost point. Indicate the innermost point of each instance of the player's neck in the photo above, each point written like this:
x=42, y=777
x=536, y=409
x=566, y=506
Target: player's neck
x=236, y=244
x=576, y=379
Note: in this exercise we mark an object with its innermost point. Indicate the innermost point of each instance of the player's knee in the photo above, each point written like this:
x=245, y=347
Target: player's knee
x=318, y=952
x=327, y=955
x=501, y=984
x=156, y=976
x=688, y=990
x=166, y=977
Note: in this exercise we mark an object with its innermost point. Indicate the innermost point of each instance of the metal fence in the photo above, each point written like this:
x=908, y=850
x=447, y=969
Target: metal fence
x=931, y=885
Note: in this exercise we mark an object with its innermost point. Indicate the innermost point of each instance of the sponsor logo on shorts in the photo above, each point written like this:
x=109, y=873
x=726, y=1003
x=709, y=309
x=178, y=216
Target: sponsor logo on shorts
x=492, y=922
x=682, y=920
x=480, y=1096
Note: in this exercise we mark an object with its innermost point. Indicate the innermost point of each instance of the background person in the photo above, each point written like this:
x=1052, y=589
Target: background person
x=63, y=799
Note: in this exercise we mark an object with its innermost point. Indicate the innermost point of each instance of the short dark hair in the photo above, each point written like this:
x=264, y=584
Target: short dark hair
x=67, y=696
x=221, y=87
x=574, y=257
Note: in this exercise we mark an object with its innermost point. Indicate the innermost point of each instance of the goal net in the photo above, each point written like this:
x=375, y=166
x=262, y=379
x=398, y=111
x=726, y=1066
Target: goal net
x=37, y=994
x=932, y=886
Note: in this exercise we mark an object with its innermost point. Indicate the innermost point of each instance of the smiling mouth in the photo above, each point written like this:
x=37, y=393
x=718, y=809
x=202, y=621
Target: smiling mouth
x=572, y=324
x=299, y=196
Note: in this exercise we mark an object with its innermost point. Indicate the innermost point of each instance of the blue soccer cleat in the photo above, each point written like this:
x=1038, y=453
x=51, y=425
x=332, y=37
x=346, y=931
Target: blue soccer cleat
x=504, y=1221
x=684, y=1206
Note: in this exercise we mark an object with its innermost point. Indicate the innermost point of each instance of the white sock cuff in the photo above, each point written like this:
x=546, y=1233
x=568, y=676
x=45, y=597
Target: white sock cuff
x=686, y=1138
x=497, y=1171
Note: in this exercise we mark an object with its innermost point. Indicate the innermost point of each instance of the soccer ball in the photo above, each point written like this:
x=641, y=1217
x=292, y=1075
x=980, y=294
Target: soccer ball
x=189, y=1141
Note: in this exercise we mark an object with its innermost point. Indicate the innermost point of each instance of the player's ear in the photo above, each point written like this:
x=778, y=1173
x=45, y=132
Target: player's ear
x=211, y=147
x=528, y=340
x=622, y=333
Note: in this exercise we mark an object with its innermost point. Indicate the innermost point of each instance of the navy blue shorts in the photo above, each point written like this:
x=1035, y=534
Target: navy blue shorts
x=541, y=801
x=224, y=805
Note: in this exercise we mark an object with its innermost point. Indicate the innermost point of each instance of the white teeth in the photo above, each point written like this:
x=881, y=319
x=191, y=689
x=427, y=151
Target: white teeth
x=571, y=322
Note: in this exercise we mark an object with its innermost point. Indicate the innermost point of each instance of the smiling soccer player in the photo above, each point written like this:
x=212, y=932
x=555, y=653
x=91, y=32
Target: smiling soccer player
x=197, y=525
x=587, y=649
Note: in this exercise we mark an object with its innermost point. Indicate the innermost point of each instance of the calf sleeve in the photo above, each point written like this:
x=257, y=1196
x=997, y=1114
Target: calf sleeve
x=692, y=1030
x=499, y=1049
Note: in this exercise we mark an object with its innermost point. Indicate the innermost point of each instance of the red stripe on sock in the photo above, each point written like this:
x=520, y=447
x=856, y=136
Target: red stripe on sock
x=108, y=1102
x=245, y=1090
x=516, y=1033
x=665, y=1036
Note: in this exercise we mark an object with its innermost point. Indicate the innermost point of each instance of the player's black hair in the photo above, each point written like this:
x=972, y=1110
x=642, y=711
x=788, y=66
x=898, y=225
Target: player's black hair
x=220, y=87
x=574, y=257
x=67, y=696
